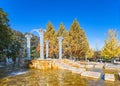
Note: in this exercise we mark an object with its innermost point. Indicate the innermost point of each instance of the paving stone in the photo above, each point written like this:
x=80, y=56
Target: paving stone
x=109, y=77
x=79, y=70
x=91, y=74
x=89, y=66
x=99, y=66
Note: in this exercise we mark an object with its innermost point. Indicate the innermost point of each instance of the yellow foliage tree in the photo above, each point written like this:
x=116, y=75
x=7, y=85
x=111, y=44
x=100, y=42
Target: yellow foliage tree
x=77, y=40
x=51, y=36
x=90, y=53
x=62, y=32
x=111, y=48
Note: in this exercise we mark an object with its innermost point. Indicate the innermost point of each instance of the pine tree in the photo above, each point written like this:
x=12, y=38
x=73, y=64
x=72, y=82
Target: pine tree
x=111, y=48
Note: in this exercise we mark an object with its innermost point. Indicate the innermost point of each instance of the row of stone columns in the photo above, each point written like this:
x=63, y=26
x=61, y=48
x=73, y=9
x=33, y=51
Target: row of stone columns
x=41, y=34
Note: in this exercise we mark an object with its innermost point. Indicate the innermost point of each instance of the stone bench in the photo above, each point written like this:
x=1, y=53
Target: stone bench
x=99, y=66
x=89, y=66
x=111, y=66
x=78, y=70
x=109, y=77
x=91, y=74
x=81, y=65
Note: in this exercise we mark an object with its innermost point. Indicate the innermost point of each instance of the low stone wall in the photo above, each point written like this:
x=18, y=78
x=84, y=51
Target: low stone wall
x=41, y=64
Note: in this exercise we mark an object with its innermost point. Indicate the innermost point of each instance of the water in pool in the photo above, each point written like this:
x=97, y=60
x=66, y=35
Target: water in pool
x=32, y=77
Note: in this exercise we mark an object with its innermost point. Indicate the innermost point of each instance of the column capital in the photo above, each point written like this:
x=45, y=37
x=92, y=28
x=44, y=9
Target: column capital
x=60, y=38
x=41, y=31
x=28, y=35
x=47, y=41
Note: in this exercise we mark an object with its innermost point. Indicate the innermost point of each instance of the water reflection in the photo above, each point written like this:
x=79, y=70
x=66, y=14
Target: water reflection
x=53, y=78
x=18, y=73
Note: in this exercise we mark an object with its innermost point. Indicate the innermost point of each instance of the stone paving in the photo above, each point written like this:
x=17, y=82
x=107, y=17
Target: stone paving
x=99, y=66
x=109, y=77
x=112, y=66
x=76, y=67
x=89, y=66
x=91, y=74
x=79, y=70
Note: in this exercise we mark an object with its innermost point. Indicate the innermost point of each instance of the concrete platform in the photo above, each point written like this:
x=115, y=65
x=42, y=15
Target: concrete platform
x=109, y=77
x=89, y=66
x=110, y=66
x=79, y=70
x=91, y=74
x=81, y=65
x=99, y=66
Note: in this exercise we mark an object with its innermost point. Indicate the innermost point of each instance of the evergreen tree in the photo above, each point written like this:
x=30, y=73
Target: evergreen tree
x=5, y=33
x=34, y=44
x=111, y=48
x=16, y=48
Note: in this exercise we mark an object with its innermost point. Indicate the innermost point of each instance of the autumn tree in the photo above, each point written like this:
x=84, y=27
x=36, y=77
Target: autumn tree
x=77, y=40
x=90, y=53
x=111, y=48
x=51, y=36
x=62, y=32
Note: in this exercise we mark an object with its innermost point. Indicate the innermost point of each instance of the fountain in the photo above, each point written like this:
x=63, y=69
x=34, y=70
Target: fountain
x=68, y=73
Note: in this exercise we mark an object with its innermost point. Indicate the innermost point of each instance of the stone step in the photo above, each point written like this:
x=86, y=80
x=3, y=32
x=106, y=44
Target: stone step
x=81, y=65
x=79, y=70
x=99, y=66
x=109, y=77
x=91, y=74
x=89, y=66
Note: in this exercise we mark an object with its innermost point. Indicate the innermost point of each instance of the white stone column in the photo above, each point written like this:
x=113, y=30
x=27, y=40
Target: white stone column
x=28, y=36
x=47, y=48
x=60, y=46
x=41, y=33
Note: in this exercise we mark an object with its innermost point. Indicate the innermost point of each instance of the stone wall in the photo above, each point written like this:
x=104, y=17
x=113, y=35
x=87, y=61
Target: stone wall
x=41, y=64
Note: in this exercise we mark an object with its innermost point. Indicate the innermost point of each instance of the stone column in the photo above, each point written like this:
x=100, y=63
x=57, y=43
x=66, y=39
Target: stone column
x=28, y=36
x=60, y=46
x=47, y=47
x=41, y=33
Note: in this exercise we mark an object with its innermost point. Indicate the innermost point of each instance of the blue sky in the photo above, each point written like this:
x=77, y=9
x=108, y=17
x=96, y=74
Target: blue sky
x=94, y=16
